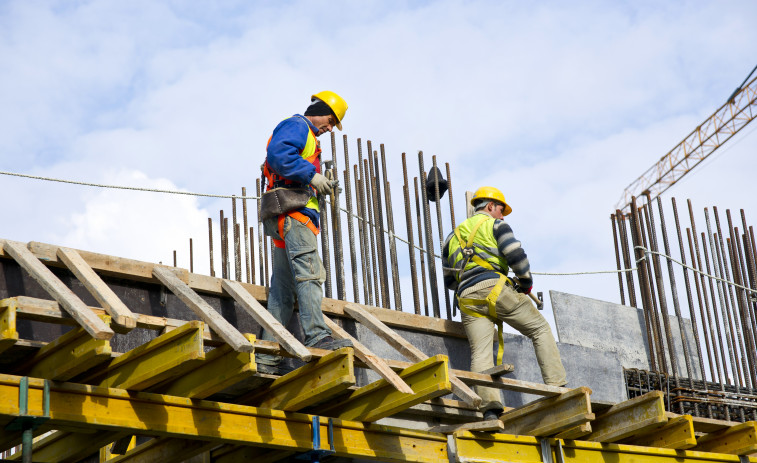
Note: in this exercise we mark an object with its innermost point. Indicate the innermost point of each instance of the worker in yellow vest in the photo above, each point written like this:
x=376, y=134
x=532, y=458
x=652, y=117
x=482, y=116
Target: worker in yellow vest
x=477, y=257
x=293, y=165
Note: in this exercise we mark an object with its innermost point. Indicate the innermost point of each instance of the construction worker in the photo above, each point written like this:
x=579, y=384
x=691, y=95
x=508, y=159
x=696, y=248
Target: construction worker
x=293, y=161
x=477, y=255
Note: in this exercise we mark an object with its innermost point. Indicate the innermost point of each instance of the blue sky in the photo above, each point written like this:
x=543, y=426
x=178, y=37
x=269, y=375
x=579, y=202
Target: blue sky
x=560, y=105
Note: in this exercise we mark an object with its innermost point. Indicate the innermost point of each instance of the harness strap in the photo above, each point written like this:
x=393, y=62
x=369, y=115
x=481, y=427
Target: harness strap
x=298, y=216
x=490, y=301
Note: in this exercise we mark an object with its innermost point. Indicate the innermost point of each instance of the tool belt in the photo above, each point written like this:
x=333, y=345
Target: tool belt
x=490, y=301
x=277, y=201
x=298, y=216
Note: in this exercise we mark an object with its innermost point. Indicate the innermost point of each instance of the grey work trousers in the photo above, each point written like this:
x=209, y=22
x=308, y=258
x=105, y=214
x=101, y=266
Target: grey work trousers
x=516, y=310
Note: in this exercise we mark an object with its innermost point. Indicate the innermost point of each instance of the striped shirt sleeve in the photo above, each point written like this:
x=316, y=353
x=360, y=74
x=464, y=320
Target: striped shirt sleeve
x=510, y=248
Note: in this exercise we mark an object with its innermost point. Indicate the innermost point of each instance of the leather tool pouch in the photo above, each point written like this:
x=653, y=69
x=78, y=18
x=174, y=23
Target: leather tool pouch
x=279, y=201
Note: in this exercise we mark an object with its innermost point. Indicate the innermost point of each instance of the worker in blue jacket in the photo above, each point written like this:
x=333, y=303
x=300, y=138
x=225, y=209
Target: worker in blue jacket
x=293, y=160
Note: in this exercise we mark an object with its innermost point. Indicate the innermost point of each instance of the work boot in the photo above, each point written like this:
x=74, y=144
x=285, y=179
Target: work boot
x=330, y=343
x=492, y=414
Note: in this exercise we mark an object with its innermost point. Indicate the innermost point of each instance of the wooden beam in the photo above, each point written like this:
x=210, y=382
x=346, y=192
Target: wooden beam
x=235, y=454
x=266, y=320
x=222, y=368
x=118, y=311
x=629, y=418
x=168, y=356
x=405, y=348
x=677, y=433
x=68, y=356
x=550, y=415
x=164, y=450
x=479, y=426
x=308, y=385
x=369, y=358
x=429, y=379
x=575, y=433
x=202, y=309
x=62, y=447
x=60, y=292
x=499, y=370
x=740, y=439
x=8, y=333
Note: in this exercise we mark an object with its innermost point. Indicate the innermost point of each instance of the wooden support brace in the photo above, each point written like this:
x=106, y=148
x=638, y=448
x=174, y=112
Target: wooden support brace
x=120, y=314
x=629, y=418
x=369, y=358
x=308, y=385
x=429, y=379
x=405, y=348
x=740, y=439
x=164, y=450
x=550, y=415
x=68, y=356
x=203, y=310
x=168, y=356
x=677, y=433
x=222, y=367
x=8, y=333
x=62, y=447
x=266, y=320
x=479, y=426
x=60, y=292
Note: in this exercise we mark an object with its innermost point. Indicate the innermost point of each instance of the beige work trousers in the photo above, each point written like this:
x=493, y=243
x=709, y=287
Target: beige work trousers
x=516, y=310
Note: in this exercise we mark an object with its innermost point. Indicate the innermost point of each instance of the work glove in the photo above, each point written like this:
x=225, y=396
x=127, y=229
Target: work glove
x=321, y=184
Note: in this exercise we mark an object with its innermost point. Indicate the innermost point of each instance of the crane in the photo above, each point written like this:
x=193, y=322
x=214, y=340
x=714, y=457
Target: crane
x=727, y=121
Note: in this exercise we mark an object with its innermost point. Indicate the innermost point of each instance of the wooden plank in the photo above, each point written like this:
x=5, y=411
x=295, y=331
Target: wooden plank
x=369, y=358
x=203, y=310
x=629, y=418
x=68, y=356
x=710, y=425
x=222, y=368
x=677, y=433
x=550, y=415
x=479, y=426
x=60, y=292
x=405, y=348
x=8, y=333
x=499, y=370
x=65, y=447
x=169, y=355
x=740, y=439
x=429, y=378
x=164, y=450
x=308, y=385
x=235, y=454
x=266, y=320
x=118, y=311
x=450, y=410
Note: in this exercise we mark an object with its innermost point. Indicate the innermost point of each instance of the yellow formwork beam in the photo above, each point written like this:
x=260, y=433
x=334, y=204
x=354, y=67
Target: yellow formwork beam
x=428, y=379
x=68, y=448
x=310, y=384
x=99, y=408
x=8, y=333
x=165, y=357
x=164, y=450
x=550, y=415
x=737, y=440
x=629, y=418
x=68, y=356
x=479, y=447
x=222, y=367
x=677, y=433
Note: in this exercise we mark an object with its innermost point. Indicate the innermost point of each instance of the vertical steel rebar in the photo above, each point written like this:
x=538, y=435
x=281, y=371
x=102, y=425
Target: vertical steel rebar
x=228, y=255
x=420, y=243
x=237, y=256
x=437, y=200
x=191, y=257
x=223, y=247
x=365, y=258
x=325, y=250
x=174, y=258
x=350, y=226
x=626, y=257
x=429, y=240
x=617, y=259
x=246, y=236
x=746, y=322
x=452, y=218
x=654, y=315
x=252, y=256
x=643, y=285
x=392, y=240
x=410, y=238
x=371, y=224
x=262, y=253
x=378, y=220
x=210, y=246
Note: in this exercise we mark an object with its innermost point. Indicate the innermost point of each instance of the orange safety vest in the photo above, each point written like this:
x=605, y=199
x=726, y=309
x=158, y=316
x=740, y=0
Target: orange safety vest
x=312, y=154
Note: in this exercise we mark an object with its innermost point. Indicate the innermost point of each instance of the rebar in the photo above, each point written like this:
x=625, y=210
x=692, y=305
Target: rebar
x=191, y=257
x=451, y=217
x=223, y=247
x=226, y=241
x=746, y=322
x=336, y=226
x=626, y=257
x=617, y=259
x=325, y=249
x=429, y=240
x=174, y=258
x=365, y=258
x=350, y=227
x=420, y=243
x=246, y=238
x=643, y=285
x=437, y=200
x=706, y=317
x=210, y=246
x=367, y=239
x=237, y=250
x=392, y=241
x=252, y=256
x=653, y=315
x=262, y=254
x=410, y=239
x=370, y=224
x=378, y=222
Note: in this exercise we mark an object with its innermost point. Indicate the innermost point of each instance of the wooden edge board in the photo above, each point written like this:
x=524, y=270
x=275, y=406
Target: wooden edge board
x=499, y=370
x=60, y=292
x=550, y=415
x=266, y=320
x=120, y=314
x=488, y=425
x=374, y=362
x=740, y=439
x=629, y=418
x=163, y=449
x=677, y=433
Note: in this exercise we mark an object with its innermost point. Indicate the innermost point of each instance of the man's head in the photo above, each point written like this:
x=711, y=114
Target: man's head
x=491, y=201
x=326, y=111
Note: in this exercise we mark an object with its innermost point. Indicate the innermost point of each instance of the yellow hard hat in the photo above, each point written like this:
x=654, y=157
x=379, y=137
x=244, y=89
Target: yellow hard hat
x=489, y=192
x=336, y=103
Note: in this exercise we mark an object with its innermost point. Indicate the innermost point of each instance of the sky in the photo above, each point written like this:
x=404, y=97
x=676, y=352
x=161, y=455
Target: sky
x=561, y=105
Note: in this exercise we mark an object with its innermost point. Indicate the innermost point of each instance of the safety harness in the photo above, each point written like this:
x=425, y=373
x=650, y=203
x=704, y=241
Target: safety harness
x=470, y=253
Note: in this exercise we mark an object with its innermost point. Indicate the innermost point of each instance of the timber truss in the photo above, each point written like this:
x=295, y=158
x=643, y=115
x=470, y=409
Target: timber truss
x=193, y=388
